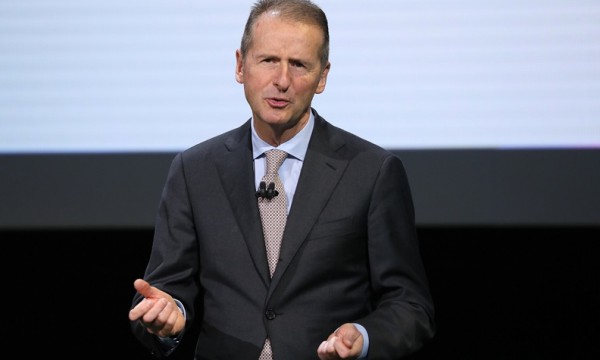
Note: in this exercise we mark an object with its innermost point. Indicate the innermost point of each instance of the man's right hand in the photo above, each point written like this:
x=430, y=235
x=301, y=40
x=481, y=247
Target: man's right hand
x=158, y=312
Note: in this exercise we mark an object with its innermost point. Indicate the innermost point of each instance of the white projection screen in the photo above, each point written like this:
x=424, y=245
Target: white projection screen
x=493, y=105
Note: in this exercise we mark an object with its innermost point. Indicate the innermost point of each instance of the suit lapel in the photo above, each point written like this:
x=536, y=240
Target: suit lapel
x=322, y=170
x=237, y=176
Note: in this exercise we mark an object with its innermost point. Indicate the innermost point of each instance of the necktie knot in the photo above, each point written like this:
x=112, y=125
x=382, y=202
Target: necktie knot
x=275, y=158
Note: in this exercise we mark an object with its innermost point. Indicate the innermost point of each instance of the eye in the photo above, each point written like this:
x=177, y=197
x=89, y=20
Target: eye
x=297, y=64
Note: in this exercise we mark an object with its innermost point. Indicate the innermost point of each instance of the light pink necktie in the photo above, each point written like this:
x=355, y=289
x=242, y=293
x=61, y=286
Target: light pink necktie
x=273, y=213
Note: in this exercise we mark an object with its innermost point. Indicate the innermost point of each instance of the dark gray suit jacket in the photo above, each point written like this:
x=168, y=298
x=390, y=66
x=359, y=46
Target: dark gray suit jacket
x=349, y=251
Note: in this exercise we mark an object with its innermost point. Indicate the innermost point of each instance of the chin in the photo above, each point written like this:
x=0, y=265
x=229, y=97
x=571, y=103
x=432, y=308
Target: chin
x=277, y=118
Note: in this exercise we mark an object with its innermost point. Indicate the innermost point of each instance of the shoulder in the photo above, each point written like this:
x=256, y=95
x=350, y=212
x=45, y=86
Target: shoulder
x=219, y=144
x=347, y=143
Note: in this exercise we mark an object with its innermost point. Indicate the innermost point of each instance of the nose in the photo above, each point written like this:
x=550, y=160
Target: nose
x=282, y=78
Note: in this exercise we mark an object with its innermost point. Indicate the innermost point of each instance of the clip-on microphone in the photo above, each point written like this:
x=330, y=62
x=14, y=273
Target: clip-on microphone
x=265, y=192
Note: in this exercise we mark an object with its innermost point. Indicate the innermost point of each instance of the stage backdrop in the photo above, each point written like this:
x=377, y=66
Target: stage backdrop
x=492, y=105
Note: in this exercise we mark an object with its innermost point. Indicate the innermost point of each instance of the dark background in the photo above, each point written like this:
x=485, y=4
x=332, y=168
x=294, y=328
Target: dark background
x=500, y=293
x=509, y=239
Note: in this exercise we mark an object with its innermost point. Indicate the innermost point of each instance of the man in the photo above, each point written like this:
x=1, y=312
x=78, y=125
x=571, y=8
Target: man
x=348, y=281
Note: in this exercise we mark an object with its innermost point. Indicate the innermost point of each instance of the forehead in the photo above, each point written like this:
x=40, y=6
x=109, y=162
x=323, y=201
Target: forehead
x=273, y=29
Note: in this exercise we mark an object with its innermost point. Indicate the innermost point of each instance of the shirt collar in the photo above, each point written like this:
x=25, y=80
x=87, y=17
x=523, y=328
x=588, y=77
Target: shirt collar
x=296, y=146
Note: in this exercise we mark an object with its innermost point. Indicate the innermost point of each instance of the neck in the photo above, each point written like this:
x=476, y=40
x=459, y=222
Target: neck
x=277, y=134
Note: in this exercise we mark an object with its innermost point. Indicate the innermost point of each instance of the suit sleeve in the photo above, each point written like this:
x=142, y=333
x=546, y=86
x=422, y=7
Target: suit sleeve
x=173, y=263
x=402, y=320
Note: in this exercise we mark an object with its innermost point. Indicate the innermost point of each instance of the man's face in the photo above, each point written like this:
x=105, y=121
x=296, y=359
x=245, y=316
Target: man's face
x=281, y=73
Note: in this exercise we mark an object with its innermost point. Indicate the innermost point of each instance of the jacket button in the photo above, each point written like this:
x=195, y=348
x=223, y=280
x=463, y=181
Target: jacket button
x=270, y=314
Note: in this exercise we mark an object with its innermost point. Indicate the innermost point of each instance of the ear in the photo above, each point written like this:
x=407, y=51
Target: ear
x=323, y=79
x=239, y=67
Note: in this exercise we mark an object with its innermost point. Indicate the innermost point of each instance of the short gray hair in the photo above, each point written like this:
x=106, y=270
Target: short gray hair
x=304, y=11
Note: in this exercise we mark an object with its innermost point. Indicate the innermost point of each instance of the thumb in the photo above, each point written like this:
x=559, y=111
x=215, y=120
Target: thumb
x=350, y=339
x=349, y=334
x=145, y=289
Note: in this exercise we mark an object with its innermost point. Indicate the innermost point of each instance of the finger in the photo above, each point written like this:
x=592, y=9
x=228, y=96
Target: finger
x=169, y=324
x=330, y=347
x=152, y=316
x=153, y=320
x=326, y=350
x=166, y=314
x=140, y=309
x=323, y=347
x=321, y=350
x=340, y=348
